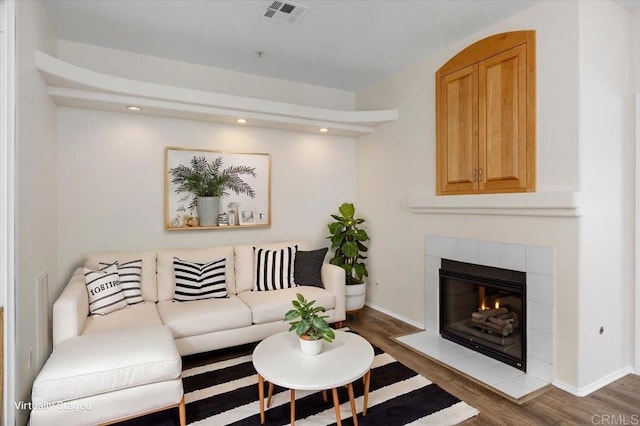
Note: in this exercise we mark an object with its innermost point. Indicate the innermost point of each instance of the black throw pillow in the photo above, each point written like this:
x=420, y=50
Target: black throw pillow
x=306, y=267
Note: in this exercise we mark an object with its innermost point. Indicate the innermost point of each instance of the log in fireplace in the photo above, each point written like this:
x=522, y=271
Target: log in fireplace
x=484, y=309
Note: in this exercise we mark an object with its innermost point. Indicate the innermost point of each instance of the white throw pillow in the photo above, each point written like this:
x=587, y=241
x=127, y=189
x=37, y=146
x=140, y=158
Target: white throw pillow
x=196, y=281
x=130, y=279
x=274, y=268
x=105, y=294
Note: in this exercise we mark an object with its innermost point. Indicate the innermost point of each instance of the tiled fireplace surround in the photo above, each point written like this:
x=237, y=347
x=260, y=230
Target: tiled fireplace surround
x=538, y=264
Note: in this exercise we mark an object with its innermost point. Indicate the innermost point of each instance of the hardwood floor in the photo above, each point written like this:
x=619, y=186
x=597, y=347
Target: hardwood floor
x=618, y=403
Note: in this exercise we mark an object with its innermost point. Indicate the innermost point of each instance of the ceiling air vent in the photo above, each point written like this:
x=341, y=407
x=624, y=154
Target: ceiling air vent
x=285, y=11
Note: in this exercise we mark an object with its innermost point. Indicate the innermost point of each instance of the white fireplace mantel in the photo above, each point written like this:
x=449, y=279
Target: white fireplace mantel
x=551, y=203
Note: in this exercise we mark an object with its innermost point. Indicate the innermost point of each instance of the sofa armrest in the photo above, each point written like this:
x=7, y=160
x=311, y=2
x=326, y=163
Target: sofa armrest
x=71, y=309
x=333, y=279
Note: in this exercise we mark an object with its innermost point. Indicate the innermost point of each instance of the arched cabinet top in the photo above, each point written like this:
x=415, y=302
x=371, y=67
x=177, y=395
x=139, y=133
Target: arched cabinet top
x=479, y=50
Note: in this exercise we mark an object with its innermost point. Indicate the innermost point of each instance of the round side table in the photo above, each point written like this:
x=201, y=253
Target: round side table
x=279, y=360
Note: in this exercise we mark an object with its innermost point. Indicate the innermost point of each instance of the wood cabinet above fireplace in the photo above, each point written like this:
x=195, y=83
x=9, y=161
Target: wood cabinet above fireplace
x=486, y=117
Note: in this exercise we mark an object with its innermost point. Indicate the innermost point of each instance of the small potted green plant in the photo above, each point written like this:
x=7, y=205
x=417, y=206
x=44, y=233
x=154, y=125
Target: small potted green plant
x=207, y=181
x=309, y=325
x=347, y=239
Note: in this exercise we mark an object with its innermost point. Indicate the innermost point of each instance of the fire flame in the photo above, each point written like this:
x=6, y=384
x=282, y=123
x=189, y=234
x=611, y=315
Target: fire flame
x=485, y=307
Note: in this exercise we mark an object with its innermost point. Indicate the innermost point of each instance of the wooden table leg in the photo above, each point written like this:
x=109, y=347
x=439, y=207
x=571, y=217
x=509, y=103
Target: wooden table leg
x=293, y=407
x=324, y=396
x=261, y=397
x=353, y=404
x=182, y=412
x=367, y=382
x=336, y=404
x=269, y=395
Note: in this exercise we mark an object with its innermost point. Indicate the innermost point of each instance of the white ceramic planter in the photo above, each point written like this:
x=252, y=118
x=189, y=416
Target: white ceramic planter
x=208, y=208
x=311, y=347
x=355, y=296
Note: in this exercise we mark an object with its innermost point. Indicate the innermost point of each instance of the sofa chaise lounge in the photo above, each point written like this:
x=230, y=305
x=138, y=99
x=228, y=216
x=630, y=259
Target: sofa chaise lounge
x=160, y=323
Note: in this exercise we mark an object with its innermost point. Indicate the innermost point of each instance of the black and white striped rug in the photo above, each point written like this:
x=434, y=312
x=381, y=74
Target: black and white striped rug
x=226, y=393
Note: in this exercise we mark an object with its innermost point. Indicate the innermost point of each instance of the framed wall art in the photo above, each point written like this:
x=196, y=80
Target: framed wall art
x=202, y=186
x=247, y=216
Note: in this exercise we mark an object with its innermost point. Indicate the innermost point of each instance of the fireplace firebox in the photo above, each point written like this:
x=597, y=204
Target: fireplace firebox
x=484, y=309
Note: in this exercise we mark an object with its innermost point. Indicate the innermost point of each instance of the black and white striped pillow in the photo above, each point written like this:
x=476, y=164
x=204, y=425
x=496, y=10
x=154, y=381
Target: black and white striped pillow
x=196, y=281
x=274, y=268
x=130, y=280
x=105, y=294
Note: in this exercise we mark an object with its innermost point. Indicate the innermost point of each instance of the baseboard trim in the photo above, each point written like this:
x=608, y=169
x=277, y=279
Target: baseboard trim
x=396, y=316
x=600, y=383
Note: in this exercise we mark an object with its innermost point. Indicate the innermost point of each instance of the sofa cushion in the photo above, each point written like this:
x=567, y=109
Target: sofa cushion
x=130, y=280
x=105, y=294
x=148, y=279
x=137, y=315
x=273, y=268
x=166, y=276
x=204, y=316
x=244, y=261
x=268, y=306
x=106, y=362
x=307, y=267
x=197, y=281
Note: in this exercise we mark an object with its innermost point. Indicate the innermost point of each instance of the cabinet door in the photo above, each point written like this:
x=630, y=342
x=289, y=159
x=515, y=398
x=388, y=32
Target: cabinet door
x=502, y=99
x=457, y=127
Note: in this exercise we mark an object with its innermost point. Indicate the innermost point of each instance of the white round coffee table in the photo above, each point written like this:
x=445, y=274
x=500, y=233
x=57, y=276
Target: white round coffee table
x=279, y=360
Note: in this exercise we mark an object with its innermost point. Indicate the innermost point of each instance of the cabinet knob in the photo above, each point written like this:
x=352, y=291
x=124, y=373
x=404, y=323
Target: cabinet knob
x=473, y=178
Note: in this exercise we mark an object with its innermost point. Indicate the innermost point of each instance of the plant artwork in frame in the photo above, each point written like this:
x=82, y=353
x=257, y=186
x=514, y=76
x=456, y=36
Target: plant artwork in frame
x=237, y=184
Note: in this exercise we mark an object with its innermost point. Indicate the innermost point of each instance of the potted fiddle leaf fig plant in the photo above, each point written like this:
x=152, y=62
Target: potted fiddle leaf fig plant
x=348, y=241
x=309, y=325
x=207, y=181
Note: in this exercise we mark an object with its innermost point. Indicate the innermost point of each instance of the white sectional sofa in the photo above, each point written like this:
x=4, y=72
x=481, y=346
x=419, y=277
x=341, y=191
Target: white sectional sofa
x=199, y=326
x=196, y=326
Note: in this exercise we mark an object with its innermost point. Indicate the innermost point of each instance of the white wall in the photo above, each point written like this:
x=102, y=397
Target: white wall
x=397, y=161
x=635, y=90
x=111, y=182
x=36, y=221
x=175, y=73
x=310, y=176
x=635, y=50
x=607, y=187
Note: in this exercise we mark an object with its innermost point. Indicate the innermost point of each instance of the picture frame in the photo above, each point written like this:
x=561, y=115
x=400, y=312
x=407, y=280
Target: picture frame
x=181, y=209
x=247, y=216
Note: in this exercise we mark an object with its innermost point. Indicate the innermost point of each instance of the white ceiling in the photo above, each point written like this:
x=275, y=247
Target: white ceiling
x=340, y=44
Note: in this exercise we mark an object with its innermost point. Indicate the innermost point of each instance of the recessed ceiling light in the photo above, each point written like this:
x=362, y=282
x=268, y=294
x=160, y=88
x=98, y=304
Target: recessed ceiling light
x=241, y=121
x=323, y=130
x=134, y=108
